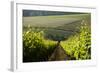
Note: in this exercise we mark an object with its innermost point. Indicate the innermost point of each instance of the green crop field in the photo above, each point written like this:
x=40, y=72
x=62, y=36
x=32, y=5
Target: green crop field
x=60, y=25
x=41, y=35
x=54, y=21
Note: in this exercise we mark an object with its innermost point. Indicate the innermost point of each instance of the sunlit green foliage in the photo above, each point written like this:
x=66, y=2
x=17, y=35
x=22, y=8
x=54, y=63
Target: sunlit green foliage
x=38, y=48
x=35, y=47
x=79, y=45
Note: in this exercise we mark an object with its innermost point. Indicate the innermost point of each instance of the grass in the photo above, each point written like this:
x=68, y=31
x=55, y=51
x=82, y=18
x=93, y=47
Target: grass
x=58, y=26
x=53, y=21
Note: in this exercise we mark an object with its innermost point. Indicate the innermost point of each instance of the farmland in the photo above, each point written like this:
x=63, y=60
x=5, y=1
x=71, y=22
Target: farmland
x=62, y=25
x=41, y=34
x=54, y=21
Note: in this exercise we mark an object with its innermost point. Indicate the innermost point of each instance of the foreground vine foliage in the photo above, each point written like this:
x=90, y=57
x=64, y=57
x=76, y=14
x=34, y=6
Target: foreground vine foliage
x=79, y=45
x=37, y=48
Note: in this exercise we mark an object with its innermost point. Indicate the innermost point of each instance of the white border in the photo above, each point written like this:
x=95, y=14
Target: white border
x=17, y=64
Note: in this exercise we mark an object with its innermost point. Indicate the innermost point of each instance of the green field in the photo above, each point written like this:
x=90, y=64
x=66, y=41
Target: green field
x=41, y=35
x=61, y=25
x=54, y=21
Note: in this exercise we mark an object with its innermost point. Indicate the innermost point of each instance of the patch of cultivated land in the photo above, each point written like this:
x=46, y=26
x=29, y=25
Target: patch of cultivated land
x=58, y=26
x=54, y=21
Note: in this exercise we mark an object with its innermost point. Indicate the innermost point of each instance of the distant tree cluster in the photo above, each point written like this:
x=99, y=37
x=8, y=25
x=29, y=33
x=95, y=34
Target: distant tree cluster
x=45, y=13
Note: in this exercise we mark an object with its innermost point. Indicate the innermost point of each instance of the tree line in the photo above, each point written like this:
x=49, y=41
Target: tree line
x=45, y=13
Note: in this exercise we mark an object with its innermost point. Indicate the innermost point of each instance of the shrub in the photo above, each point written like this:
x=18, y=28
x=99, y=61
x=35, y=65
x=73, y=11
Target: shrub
x=79, y=45
x=35, y=47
